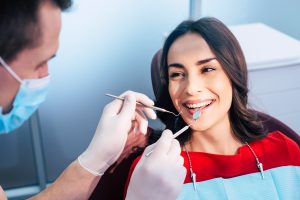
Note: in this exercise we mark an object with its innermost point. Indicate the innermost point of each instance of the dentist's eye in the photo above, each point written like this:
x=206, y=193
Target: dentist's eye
x=207, y=69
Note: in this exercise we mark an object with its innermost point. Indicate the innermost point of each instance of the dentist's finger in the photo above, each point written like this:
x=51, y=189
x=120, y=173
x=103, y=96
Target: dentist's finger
x=143, y=99
x=112, y=109
x=148, y=111
x=142, y=121
x=148, y=151
x=163, y=144
x=116, y=106
x=140, y=97
x=128, y=107
x=175, y=149
x=180, y=160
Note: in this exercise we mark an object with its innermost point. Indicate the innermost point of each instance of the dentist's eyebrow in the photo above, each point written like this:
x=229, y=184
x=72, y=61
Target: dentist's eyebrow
x=46, y=60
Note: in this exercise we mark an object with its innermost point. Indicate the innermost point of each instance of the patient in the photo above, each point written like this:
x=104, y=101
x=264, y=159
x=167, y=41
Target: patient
x=227, y=152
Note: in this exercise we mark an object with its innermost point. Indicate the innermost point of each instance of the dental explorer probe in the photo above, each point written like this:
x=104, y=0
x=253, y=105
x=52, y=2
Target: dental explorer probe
x=140, y=104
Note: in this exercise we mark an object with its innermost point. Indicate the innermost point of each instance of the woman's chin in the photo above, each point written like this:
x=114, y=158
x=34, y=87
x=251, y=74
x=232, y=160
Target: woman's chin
x=198, y=128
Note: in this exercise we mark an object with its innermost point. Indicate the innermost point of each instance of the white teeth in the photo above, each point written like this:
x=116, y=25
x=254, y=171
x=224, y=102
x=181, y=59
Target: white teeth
x=198, y=105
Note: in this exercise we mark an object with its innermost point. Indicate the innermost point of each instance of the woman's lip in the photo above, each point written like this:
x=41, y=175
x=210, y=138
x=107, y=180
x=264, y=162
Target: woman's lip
x=196, y=101
x=202, y=109
x=191, y=111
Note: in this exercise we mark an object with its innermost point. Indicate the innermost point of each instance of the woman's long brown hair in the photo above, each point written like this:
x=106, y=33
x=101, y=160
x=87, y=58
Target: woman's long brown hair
x=244, y=121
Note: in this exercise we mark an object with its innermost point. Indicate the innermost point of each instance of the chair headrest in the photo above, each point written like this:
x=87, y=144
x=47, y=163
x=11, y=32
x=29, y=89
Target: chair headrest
x=155, y=72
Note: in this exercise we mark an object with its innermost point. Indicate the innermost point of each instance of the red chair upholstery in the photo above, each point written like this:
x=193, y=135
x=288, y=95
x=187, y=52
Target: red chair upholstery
x=111, y=185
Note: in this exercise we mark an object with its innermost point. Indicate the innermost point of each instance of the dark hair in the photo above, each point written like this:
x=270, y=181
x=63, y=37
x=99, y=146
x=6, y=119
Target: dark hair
x=19, y=27
x=244, y=121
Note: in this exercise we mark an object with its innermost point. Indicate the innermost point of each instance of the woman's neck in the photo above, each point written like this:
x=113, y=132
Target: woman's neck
x=219, y=139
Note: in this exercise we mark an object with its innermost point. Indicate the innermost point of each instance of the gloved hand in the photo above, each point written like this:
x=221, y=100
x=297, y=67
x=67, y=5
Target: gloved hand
x=111, y=134
x=159, y=176
x=135, y=142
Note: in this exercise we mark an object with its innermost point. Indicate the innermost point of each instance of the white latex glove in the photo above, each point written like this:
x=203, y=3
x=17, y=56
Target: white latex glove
x=112, y=131
x=159, y=176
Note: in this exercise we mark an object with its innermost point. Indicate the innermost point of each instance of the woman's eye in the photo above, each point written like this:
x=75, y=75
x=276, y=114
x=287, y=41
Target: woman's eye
x=207, y=69
x=176, y=74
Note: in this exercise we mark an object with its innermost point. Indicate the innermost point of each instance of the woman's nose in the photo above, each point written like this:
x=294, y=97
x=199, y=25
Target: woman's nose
x=194, y=85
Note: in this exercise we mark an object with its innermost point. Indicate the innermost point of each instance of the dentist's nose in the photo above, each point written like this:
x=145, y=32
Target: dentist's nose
x=43, y=70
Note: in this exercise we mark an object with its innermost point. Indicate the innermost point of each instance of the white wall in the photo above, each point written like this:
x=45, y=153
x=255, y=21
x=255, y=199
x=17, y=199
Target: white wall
x=281, y=15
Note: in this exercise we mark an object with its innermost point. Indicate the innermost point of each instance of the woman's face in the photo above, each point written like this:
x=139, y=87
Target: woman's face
x=198, y=81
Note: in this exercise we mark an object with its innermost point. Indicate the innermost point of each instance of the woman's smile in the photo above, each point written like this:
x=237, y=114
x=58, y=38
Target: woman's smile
x=191, y=106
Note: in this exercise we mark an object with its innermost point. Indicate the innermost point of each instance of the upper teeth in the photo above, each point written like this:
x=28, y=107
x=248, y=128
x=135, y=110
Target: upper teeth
x=198, y=105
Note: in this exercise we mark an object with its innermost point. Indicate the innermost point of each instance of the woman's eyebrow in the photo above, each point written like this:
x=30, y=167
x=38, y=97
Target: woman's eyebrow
x=201, y=62
x=177, y=65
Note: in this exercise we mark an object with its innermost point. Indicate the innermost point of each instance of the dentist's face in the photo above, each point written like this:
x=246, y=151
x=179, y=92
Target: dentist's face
x=198, y=81
x=32, y=63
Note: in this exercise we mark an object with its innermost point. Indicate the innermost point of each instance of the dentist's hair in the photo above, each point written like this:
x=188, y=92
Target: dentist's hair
x=244, y=121
x=19, y=25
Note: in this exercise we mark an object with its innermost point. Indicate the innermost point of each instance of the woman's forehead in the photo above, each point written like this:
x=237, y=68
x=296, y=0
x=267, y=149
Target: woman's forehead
x=190, y=45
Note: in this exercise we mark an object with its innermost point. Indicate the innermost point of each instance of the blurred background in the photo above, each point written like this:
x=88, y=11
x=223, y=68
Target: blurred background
x=107, y=47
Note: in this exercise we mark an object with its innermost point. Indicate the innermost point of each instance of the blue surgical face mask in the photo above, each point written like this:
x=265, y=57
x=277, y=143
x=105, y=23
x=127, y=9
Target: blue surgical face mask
x=31, y=94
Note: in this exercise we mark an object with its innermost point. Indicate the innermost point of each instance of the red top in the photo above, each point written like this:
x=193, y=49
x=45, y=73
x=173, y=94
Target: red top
x=275, y=150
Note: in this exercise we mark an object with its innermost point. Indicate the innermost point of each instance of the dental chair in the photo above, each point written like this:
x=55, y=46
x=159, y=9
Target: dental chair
x=111, y=185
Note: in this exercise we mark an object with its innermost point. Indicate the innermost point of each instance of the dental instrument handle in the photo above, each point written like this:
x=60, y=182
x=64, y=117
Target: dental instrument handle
x=140, y=104
x=174, y=136
x=163, y=110
x=181, y=131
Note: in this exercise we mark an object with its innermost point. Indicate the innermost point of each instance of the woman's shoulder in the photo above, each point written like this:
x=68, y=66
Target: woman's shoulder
x=279, y=139
x=277, y=146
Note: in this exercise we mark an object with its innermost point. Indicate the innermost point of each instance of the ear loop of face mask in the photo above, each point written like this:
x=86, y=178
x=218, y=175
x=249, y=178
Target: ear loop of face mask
x=10, y=71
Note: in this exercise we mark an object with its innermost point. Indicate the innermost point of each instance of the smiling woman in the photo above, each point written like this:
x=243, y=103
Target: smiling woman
x=226, y=151
x=211, y=69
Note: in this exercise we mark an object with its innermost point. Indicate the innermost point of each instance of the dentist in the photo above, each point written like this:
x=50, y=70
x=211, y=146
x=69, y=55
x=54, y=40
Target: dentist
x=28, y=40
